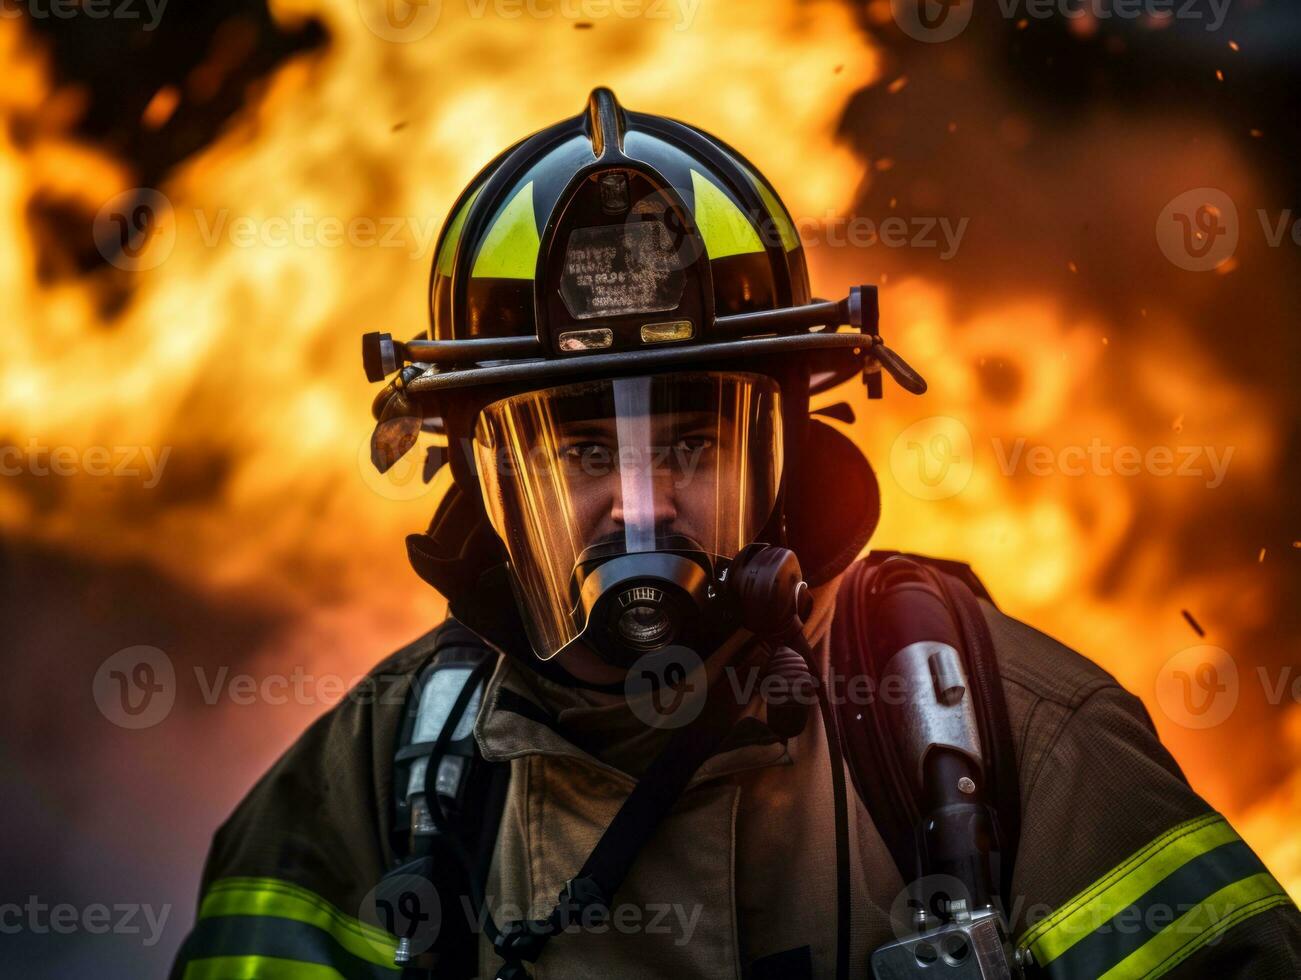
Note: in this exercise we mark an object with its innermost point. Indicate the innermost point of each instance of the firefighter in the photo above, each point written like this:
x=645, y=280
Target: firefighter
x=574, y=776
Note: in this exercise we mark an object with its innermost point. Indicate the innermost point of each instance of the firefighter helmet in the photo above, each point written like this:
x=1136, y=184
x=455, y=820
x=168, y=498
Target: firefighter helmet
x=633, y=266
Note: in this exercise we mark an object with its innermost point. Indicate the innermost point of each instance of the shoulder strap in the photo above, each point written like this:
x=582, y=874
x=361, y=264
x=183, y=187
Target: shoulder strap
x=436, y=743
x=447, y=798
x=890, y=804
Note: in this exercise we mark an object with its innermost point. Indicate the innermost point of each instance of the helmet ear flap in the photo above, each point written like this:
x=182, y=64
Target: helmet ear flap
x=833, y=502
x=458, y=547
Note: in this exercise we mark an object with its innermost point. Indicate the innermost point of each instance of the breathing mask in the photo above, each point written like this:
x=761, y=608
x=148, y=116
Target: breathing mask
x=624, y=502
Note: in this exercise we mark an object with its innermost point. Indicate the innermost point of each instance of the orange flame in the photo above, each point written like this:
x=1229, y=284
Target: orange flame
x=230, y=342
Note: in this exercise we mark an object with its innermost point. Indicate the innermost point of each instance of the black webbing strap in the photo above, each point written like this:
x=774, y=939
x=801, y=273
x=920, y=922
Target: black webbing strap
x=592, y=890
x=874, y=767
x=840, y=802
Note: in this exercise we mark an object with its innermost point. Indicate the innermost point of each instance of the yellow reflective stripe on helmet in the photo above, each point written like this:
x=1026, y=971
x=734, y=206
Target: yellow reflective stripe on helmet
x=1157, y=907
x=725, y=228
x=447, y=254
x=789, y=236
x=1199, y=926
x=271, y=897
x=510, y=249
x=257, y=968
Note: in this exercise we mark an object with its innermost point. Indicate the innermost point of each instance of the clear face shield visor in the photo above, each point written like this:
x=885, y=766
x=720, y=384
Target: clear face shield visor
x=576, y=477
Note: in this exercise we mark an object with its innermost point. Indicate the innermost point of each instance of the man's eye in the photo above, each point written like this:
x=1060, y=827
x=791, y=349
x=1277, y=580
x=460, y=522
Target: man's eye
x=585, y=453
x=694, y=444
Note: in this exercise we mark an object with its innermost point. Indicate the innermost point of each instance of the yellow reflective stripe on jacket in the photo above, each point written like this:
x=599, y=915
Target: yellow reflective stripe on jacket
x=1097, y=904
x=1212, y=918
x=1157, y=907
x=268, y=928
x=258, y=968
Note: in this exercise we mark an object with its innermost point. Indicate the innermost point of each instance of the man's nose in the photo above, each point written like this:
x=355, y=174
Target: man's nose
x=656, y=509
x=657, y=512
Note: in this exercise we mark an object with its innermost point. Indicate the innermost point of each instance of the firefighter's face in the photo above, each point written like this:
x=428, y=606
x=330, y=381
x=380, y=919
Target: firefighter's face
x=584, y=472
x=668, y=483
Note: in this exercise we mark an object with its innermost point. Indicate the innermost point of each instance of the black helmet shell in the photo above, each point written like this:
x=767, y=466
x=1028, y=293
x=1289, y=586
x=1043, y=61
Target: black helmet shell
x=692, y=229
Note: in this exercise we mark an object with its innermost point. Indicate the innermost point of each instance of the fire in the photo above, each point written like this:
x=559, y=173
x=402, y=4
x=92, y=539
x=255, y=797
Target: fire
x=311, y=219
x=230, y=338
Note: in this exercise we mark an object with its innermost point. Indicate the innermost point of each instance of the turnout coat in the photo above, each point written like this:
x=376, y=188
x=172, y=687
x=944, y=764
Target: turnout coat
x=1122, y=872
